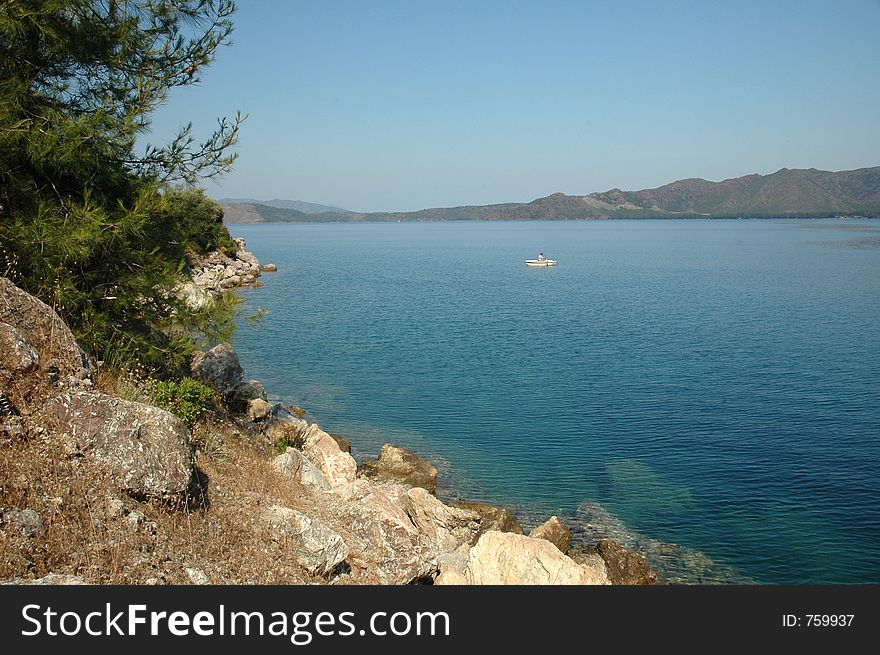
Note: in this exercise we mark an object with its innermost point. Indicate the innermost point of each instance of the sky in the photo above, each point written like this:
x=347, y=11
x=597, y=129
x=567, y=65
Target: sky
x=399, y=106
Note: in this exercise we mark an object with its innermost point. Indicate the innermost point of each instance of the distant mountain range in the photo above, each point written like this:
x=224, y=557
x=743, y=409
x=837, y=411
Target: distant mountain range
x=787, y=193
x=298, y=205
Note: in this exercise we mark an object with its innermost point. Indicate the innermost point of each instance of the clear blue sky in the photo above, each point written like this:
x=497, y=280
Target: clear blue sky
x=387, y=105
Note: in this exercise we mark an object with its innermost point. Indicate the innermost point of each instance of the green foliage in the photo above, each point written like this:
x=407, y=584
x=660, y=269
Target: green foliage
x=187, y=399
x=285, y=440
x=88, y=225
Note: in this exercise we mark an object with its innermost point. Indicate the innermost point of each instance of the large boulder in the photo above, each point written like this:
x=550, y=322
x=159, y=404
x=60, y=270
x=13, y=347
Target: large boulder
x=554, y=531
x=36, y=348
x=318, y=548
x=323, y=451
x=396, y=534
x=145, y=449
x=503, y=558
x=492, y=517
x=218, y=368
x=396, y=464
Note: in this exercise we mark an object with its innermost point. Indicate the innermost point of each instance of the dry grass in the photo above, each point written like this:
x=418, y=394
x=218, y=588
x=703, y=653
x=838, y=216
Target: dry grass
x=94, y=531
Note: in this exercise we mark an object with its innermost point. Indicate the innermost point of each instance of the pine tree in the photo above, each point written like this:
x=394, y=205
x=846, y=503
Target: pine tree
x=87, y=223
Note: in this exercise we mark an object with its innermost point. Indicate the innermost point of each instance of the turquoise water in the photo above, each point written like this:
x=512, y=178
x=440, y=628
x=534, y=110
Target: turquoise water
x=712, y=384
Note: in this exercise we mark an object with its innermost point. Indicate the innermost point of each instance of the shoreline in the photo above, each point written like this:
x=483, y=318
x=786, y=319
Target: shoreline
x=588, y=523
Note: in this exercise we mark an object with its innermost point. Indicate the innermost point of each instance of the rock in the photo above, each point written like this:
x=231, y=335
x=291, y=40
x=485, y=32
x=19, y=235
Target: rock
x=625, y=566
x=554, y=531
x=294, y=467
x=394, y=537
x=194, y=293
x=114, y=507
x=323, y=451
x=250, y=390
x=26, y=521
x=258, y=409
x=50, y=579
x=218, y=368
x=197, y=576
x=399, y=533
x=492, y=517
x=136, y=518
x=587, y=556
x=36, y=348
x=318, y=548
x=282, y=425
x=16, y=354
x=446, y=527
x=505, y=558
x=343, y=443
x=145, y=449
x=269, y=268
x=11, y=427
x=398, y=464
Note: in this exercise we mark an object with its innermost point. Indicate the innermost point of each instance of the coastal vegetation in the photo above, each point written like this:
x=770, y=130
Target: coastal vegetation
x=90, y=223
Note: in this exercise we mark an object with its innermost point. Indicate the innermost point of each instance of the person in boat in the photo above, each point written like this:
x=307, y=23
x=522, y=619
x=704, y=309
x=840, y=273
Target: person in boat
x=541, y=257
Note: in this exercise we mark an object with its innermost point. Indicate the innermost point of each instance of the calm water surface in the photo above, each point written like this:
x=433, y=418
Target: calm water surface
x=712, y=384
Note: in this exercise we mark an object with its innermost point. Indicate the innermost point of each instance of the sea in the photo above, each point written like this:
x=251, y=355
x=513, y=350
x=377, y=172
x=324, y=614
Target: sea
x=704, y=391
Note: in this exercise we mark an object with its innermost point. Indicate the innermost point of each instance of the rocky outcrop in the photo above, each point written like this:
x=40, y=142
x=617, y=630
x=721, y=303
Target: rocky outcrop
x=396, y=464
x=146, y=450
x=492, y=517
x=503, y=558
x=323, y=451
x=218, y=368
x=294, y=467
x=319, y=549
x=37, y=349
x=554, y=531
x=216, y=273
x=396, y=534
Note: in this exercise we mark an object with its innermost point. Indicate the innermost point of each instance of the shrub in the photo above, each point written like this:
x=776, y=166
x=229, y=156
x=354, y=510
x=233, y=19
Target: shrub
x=187, y=399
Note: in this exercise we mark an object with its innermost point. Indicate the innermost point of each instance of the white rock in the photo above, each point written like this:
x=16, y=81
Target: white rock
x=292, y=465
x=322, y=450
x=318, y=548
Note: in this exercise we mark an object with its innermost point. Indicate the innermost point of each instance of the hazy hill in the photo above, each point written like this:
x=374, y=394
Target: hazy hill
x=785, y=193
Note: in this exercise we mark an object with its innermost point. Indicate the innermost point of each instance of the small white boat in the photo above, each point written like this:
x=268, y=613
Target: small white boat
x=540, y=262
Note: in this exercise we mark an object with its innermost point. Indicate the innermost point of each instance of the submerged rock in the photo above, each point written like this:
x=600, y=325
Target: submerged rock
x=397, y=464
